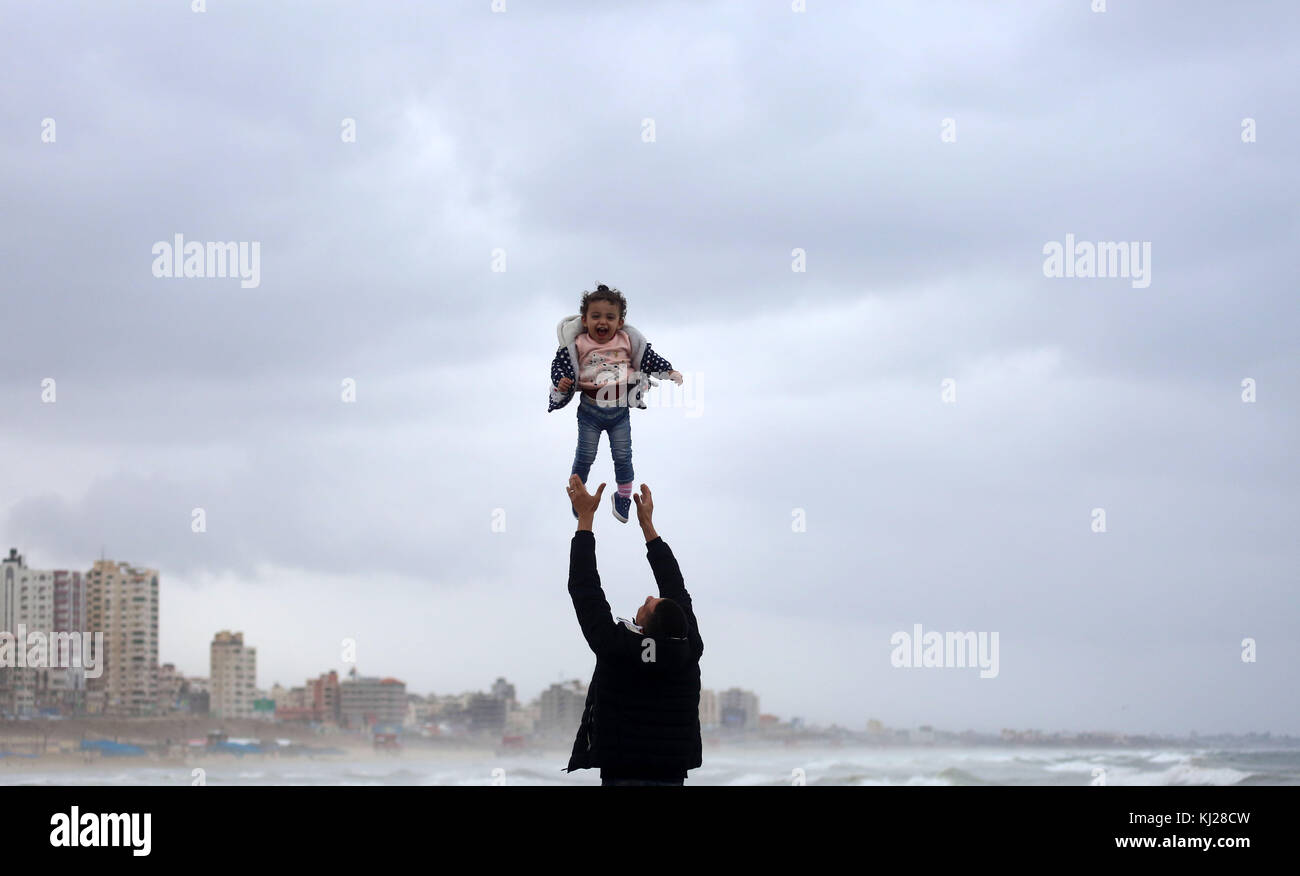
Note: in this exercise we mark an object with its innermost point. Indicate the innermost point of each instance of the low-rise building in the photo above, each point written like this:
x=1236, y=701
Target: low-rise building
x=364, y=702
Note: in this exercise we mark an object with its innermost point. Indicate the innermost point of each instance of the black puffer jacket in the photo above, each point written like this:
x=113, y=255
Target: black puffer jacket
x=642, y=716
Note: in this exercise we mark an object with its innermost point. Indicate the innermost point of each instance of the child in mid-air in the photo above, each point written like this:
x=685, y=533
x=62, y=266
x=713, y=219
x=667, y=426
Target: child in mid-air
x=610, y=363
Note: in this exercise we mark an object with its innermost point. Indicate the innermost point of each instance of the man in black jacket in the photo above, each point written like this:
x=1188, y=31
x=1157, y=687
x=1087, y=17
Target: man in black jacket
x=641, y=721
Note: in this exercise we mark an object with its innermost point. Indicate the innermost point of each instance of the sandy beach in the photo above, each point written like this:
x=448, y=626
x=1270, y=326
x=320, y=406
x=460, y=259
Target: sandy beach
x=170, y=743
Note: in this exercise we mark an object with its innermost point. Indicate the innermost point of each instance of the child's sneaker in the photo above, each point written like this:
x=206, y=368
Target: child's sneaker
x=622, y=505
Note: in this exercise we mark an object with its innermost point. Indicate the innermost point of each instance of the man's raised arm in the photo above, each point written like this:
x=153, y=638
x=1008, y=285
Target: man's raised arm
x=668, y=575
x=594, y=616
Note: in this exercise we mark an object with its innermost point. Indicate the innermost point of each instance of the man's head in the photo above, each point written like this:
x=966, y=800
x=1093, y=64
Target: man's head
x=603, y=312
x=661, y=618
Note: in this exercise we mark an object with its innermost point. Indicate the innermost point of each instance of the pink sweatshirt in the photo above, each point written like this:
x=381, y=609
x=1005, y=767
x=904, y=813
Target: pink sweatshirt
x=598, y=364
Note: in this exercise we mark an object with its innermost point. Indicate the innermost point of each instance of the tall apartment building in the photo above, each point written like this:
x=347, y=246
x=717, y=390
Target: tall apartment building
x=48, y=603
x=709, y=714
x=738, y=708
x=25, y=601
x=69, y=602
x=232, y=683
x=10, y=569
x=68, y=683
x=122, y=602
x=561, y=708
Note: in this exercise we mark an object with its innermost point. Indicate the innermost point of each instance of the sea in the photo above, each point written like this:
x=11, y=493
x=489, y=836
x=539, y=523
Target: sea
x=736, y=767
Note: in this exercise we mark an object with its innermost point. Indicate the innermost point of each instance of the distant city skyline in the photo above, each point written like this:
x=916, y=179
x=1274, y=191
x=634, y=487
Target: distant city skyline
x=345, y=669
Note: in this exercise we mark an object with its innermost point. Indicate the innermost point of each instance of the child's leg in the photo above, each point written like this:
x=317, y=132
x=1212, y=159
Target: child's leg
x=620, y=447
x=588, y=442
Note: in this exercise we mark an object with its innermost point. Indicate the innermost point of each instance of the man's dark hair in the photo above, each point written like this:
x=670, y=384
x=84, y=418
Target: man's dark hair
x=604, y=293
x=667, y=621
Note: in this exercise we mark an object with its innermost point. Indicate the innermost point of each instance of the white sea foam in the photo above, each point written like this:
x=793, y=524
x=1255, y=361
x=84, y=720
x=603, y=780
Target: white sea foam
x=1073, y=766
x=1186, y=774
x=770, y=767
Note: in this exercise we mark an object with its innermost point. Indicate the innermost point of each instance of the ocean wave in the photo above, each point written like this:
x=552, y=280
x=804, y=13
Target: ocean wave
x=1075, y=766
x=955, y=776
x=1187, y=774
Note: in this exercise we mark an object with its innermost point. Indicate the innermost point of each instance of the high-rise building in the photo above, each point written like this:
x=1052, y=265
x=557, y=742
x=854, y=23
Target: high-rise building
x=738, y=708
x=68, y=685
x=25, y=601
x=69, y=602
x=561, y=708
x=10, y=570
x=709, y=715
x=52, y=605
x=232, y=683
x=122, y=602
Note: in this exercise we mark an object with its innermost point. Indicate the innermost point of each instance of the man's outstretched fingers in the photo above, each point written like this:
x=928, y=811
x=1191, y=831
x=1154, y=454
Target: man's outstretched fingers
x=583, y=501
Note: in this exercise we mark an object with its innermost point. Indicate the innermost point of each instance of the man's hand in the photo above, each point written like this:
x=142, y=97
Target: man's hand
x=565, y=384
x=583, y=502
x=645, y=508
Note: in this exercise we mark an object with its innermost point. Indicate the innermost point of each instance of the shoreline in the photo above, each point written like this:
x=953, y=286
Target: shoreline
x=37, y=753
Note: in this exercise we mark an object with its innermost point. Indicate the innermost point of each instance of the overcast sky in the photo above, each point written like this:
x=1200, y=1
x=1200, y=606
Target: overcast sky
x=816, y=393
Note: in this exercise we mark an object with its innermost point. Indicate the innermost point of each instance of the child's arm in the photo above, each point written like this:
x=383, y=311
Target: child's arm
x=561, y=379
x=653, y=363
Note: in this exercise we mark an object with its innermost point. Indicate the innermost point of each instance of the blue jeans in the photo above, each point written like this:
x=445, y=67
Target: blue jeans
x=592, y=420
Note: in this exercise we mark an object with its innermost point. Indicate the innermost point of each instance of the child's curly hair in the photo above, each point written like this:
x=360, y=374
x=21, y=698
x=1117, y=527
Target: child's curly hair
x=605, y=293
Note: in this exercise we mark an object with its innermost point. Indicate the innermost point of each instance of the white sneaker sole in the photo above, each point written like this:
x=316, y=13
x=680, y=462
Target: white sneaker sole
x=614, y=507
